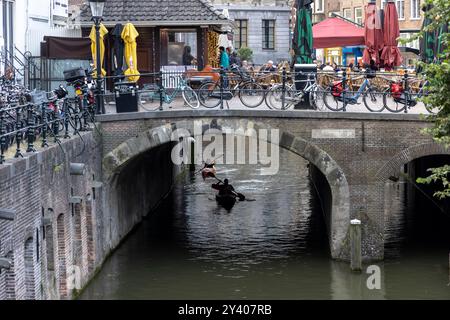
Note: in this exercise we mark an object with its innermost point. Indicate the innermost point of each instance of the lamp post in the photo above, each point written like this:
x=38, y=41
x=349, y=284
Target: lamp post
x=97, y=13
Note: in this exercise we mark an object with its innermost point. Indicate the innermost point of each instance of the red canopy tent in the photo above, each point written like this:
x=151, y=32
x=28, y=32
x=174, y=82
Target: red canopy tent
x=335, y=32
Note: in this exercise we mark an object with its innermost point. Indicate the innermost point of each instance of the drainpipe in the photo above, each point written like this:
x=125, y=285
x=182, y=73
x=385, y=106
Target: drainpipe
x=27, y=24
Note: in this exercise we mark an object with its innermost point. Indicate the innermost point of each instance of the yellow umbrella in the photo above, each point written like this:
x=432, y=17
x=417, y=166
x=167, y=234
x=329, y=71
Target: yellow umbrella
x=129, y=35
x=103, y=32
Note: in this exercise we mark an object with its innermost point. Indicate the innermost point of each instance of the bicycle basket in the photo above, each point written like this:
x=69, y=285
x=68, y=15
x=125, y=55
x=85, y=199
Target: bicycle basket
x=396, y=90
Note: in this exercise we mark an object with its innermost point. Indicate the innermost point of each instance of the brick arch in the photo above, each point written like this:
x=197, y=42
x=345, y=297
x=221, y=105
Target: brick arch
x=30, y=281
x=117, y=159
x=10, y=278
x=61, y=257
x=407, y=155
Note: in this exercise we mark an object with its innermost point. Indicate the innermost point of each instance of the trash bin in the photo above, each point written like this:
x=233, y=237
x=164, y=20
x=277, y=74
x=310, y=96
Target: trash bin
x=302, y=71
x=126, y=97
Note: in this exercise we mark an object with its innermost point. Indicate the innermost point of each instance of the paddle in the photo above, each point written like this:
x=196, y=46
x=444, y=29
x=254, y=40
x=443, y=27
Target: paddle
x=239, y=195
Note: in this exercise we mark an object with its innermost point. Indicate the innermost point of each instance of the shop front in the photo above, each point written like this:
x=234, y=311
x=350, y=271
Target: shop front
x=172, y=37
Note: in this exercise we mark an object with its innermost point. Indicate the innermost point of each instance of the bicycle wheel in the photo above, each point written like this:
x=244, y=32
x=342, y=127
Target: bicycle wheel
x=251, y=94
x=331, y=102
x=276, y=100
x=316, y=98
x=209, y=95
x=190, y=97
x=390, y=102
x=373, y=100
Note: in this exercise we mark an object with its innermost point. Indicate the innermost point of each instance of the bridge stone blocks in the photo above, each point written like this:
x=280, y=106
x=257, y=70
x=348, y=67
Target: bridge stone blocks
x=354, y=151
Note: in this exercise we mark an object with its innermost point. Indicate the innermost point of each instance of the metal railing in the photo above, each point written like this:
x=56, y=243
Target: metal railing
x=282, y=90
x=23, y=125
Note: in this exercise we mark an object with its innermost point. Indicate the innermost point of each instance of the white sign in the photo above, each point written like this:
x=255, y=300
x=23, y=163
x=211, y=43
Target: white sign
x=333, y=133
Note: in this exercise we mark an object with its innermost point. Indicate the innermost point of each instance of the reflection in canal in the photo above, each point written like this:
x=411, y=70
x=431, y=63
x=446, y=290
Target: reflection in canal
x=273, y=248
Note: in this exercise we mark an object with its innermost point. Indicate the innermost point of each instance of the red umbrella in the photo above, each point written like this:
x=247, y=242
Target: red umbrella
x=373, y=34
x=391, y=55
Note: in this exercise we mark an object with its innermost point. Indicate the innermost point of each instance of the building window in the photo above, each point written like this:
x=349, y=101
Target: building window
x=401, y=9
x=268, y=27
x=359, y=15
x=415, y=9
x=347, y=13
x=240, y=34
x=319, y=6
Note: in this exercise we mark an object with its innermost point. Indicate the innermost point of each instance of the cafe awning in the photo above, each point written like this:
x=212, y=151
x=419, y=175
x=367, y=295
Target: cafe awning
x=335, y=32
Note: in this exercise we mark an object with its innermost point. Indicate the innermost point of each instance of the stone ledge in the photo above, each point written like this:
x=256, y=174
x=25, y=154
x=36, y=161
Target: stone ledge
x=290, y=114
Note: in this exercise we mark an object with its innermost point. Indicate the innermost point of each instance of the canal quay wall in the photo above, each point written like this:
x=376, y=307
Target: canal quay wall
x=60, y=224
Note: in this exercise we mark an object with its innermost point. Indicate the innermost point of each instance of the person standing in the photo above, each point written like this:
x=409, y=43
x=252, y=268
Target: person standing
x=224, y=59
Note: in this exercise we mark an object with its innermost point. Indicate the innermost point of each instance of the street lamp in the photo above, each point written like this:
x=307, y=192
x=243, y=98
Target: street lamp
x=97, y=13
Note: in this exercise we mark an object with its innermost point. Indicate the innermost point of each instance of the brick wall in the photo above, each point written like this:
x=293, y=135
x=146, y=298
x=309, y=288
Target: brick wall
x=38, y=187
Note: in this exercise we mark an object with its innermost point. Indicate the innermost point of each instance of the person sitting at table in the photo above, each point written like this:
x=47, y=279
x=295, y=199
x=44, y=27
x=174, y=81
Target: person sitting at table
x=269, y=67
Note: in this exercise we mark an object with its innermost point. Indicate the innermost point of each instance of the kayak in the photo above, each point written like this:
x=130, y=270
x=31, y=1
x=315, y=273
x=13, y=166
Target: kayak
x=226, y=200
x=208, y=172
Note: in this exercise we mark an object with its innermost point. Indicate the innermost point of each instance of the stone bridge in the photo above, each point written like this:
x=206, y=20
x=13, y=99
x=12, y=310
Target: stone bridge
x=356, y=152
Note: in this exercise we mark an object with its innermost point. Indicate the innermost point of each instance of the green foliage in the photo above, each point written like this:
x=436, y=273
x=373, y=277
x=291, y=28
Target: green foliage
x=438, y=97
x=439, y=175
x=245, y=53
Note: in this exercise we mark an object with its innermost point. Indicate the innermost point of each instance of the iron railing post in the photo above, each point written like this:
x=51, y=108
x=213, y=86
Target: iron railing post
x=221, y=83
x=344, y=83
x=44, y=126
x=18, y=134
x=406, y=91
x=283, y=89
x=160, y=86
x=30, y=128
x=2, y=137
x=66, y=119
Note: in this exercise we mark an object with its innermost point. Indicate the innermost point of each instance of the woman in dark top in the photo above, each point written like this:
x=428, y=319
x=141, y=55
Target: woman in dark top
x=187, y=56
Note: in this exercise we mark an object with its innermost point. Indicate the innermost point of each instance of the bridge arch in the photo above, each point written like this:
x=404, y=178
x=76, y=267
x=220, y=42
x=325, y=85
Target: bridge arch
x=118, y=158
x=392, y=167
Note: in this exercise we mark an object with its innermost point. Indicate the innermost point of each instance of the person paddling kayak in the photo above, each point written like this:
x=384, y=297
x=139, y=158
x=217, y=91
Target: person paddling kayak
x=224, y=188
x=209, y=170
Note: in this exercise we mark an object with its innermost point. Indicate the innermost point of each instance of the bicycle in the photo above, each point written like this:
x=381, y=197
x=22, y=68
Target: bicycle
x=398, y=99
x=336, y=97
x=156, y=92
x=211, y=94
x=283, y=97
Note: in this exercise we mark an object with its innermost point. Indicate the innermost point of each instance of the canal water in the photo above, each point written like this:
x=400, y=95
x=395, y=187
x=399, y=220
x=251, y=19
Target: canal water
x=274, y=247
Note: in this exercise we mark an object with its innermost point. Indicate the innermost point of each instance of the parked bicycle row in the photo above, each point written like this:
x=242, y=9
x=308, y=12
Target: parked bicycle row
x=39, y=115
x=281, y=91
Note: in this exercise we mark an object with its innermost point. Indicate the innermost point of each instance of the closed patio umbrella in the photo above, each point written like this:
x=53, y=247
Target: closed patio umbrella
x=373, y=34
x=428, y=41
x=103, y=32
x=441, y=34
x=129, y=35
x=391, y=56
x=118, y=49
x=303, y=36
